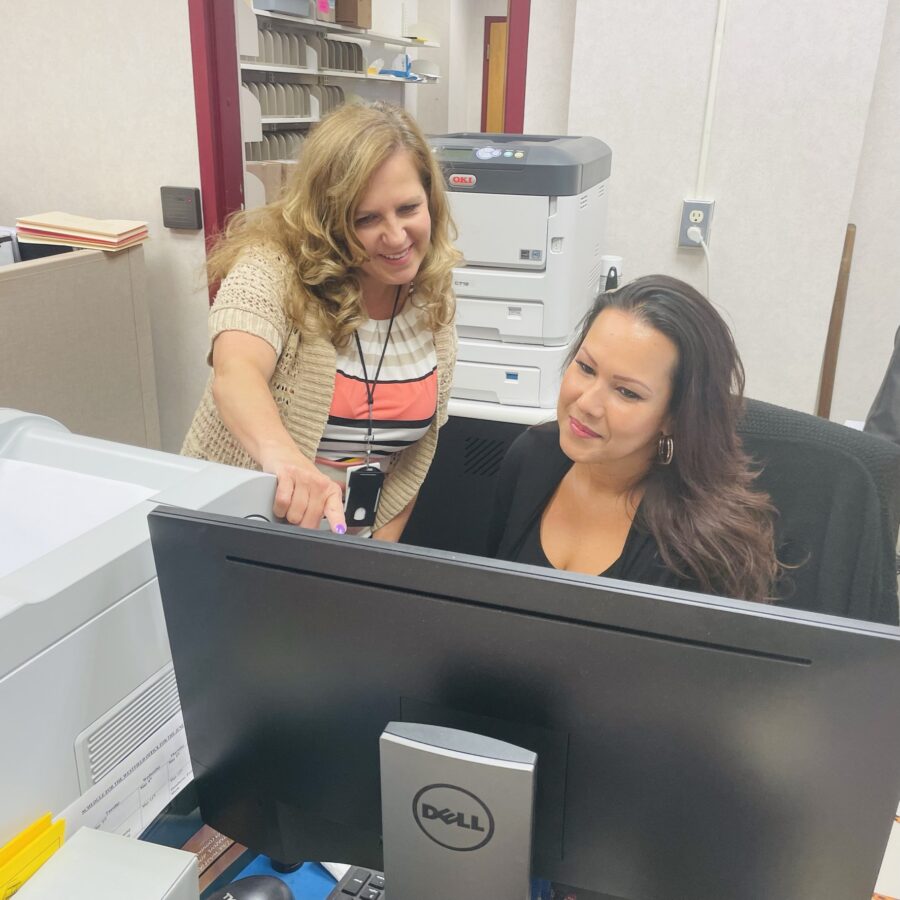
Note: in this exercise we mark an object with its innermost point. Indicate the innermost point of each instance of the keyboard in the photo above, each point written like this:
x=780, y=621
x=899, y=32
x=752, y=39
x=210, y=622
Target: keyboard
x=359, y=884
x=367, y=884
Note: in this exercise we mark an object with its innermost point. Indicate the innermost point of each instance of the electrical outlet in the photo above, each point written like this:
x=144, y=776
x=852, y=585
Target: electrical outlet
x=695, y=214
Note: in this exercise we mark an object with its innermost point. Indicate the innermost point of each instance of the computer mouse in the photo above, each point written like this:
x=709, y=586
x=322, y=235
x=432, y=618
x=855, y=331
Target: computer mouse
x=254, y=887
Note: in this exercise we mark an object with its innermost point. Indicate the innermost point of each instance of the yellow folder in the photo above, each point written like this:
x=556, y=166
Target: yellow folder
x=27, y=852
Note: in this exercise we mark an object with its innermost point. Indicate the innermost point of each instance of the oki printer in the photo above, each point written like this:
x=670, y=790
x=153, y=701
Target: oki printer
x=531, y=216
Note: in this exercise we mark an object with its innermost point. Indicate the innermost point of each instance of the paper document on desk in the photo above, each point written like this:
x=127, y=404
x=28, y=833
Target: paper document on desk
x=131, y=796
x=338, y=870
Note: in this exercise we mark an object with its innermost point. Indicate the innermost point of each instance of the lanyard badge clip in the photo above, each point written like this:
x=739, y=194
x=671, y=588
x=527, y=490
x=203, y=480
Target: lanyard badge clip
x=364, y=483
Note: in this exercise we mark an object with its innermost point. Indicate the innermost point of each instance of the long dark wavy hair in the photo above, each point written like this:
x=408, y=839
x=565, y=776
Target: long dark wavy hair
x=708, y=521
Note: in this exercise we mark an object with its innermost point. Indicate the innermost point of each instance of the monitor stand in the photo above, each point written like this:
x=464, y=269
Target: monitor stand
x=456, y=814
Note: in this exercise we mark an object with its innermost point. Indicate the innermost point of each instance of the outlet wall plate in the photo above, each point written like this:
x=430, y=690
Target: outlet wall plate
x=697, y=213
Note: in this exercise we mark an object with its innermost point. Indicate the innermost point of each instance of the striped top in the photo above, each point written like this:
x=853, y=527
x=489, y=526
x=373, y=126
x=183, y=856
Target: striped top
x=254, y=297
x=405, y=398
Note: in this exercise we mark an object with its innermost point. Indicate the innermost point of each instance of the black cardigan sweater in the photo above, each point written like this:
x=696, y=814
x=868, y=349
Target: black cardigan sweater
x=532, y=470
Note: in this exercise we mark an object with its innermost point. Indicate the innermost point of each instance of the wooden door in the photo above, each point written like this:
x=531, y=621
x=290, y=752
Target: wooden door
x=493, y=93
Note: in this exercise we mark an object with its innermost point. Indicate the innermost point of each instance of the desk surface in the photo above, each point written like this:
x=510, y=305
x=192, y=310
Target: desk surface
x=312, y=882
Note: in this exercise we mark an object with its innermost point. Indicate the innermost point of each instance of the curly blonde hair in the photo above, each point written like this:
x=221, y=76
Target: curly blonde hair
x=312, y=221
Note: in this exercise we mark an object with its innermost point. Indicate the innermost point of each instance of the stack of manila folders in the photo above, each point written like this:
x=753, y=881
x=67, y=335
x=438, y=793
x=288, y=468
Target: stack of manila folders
x=80, y=231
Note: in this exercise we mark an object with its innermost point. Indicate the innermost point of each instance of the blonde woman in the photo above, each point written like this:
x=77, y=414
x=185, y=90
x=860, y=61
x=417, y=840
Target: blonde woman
x=332, y=338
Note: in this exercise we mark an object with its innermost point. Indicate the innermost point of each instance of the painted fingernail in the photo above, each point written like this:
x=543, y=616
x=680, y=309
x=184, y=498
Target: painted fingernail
x=340, y=529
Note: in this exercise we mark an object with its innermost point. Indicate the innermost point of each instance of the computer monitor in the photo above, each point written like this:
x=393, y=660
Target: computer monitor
x=688, y=746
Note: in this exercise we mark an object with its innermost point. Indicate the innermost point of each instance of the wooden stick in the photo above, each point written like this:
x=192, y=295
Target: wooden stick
x=832, y=342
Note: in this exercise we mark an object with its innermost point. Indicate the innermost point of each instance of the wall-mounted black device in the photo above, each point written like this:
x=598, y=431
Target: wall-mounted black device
x=181, y=207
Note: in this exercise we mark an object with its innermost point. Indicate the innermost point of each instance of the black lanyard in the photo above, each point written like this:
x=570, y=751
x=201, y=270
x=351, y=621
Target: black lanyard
x=370, y=387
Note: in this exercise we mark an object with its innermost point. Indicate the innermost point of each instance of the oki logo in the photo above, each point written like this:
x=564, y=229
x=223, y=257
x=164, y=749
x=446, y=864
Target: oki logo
x=463, y=180
x=453, y=817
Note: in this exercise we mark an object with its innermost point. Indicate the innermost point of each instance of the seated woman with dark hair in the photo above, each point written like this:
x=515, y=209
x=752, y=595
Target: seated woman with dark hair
x=642, y=477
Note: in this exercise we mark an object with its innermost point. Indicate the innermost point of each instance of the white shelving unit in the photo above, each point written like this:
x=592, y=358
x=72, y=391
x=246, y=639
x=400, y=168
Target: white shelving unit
x=293, y=70
x=346, y=31
x=288, y=120
x=276, y=69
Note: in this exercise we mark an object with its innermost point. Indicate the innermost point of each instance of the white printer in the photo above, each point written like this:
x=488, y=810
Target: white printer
x=531, y=215
x=85, y=665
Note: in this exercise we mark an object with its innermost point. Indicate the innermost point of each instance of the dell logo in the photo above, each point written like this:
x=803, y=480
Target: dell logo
x=453, y=817
x=448, y=817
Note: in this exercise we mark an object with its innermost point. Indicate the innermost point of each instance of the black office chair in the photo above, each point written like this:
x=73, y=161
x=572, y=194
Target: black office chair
x=837, y=492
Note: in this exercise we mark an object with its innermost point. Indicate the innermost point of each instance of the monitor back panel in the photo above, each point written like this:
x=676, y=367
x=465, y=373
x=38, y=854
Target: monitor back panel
x=685, y=748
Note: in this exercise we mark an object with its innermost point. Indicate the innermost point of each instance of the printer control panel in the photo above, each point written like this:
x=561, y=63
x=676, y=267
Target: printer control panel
x=498, y=153
x=484, y=154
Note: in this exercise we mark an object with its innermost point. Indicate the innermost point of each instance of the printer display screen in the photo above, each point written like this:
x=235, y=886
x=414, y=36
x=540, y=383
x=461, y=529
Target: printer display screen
x=456, y=153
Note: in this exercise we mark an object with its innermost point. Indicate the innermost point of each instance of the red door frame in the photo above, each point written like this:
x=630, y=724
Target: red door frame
x=485, y=65
x=518, y=14
x=216, y=87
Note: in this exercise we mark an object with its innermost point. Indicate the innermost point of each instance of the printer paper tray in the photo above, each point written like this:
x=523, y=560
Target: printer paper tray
x=509, y=385
x=500, y=320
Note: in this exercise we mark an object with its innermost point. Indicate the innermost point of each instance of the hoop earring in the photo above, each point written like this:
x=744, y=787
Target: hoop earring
x=665, y=449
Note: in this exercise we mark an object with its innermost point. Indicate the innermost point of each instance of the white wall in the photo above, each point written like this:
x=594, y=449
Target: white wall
x=548, y=78
x=432, y=99
x=473, y=60
x=460, y=72
x=873, y=299
x=795, y=84
x=97, y=114
x=454, y=104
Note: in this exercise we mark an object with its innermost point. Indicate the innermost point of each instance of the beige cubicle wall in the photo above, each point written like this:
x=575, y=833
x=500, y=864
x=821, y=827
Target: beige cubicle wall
x=75, y=344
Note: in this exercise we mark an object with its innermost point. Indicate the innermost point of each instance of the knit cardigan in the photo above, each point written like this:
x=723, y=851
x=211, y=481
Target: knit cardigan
x=253, y=298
